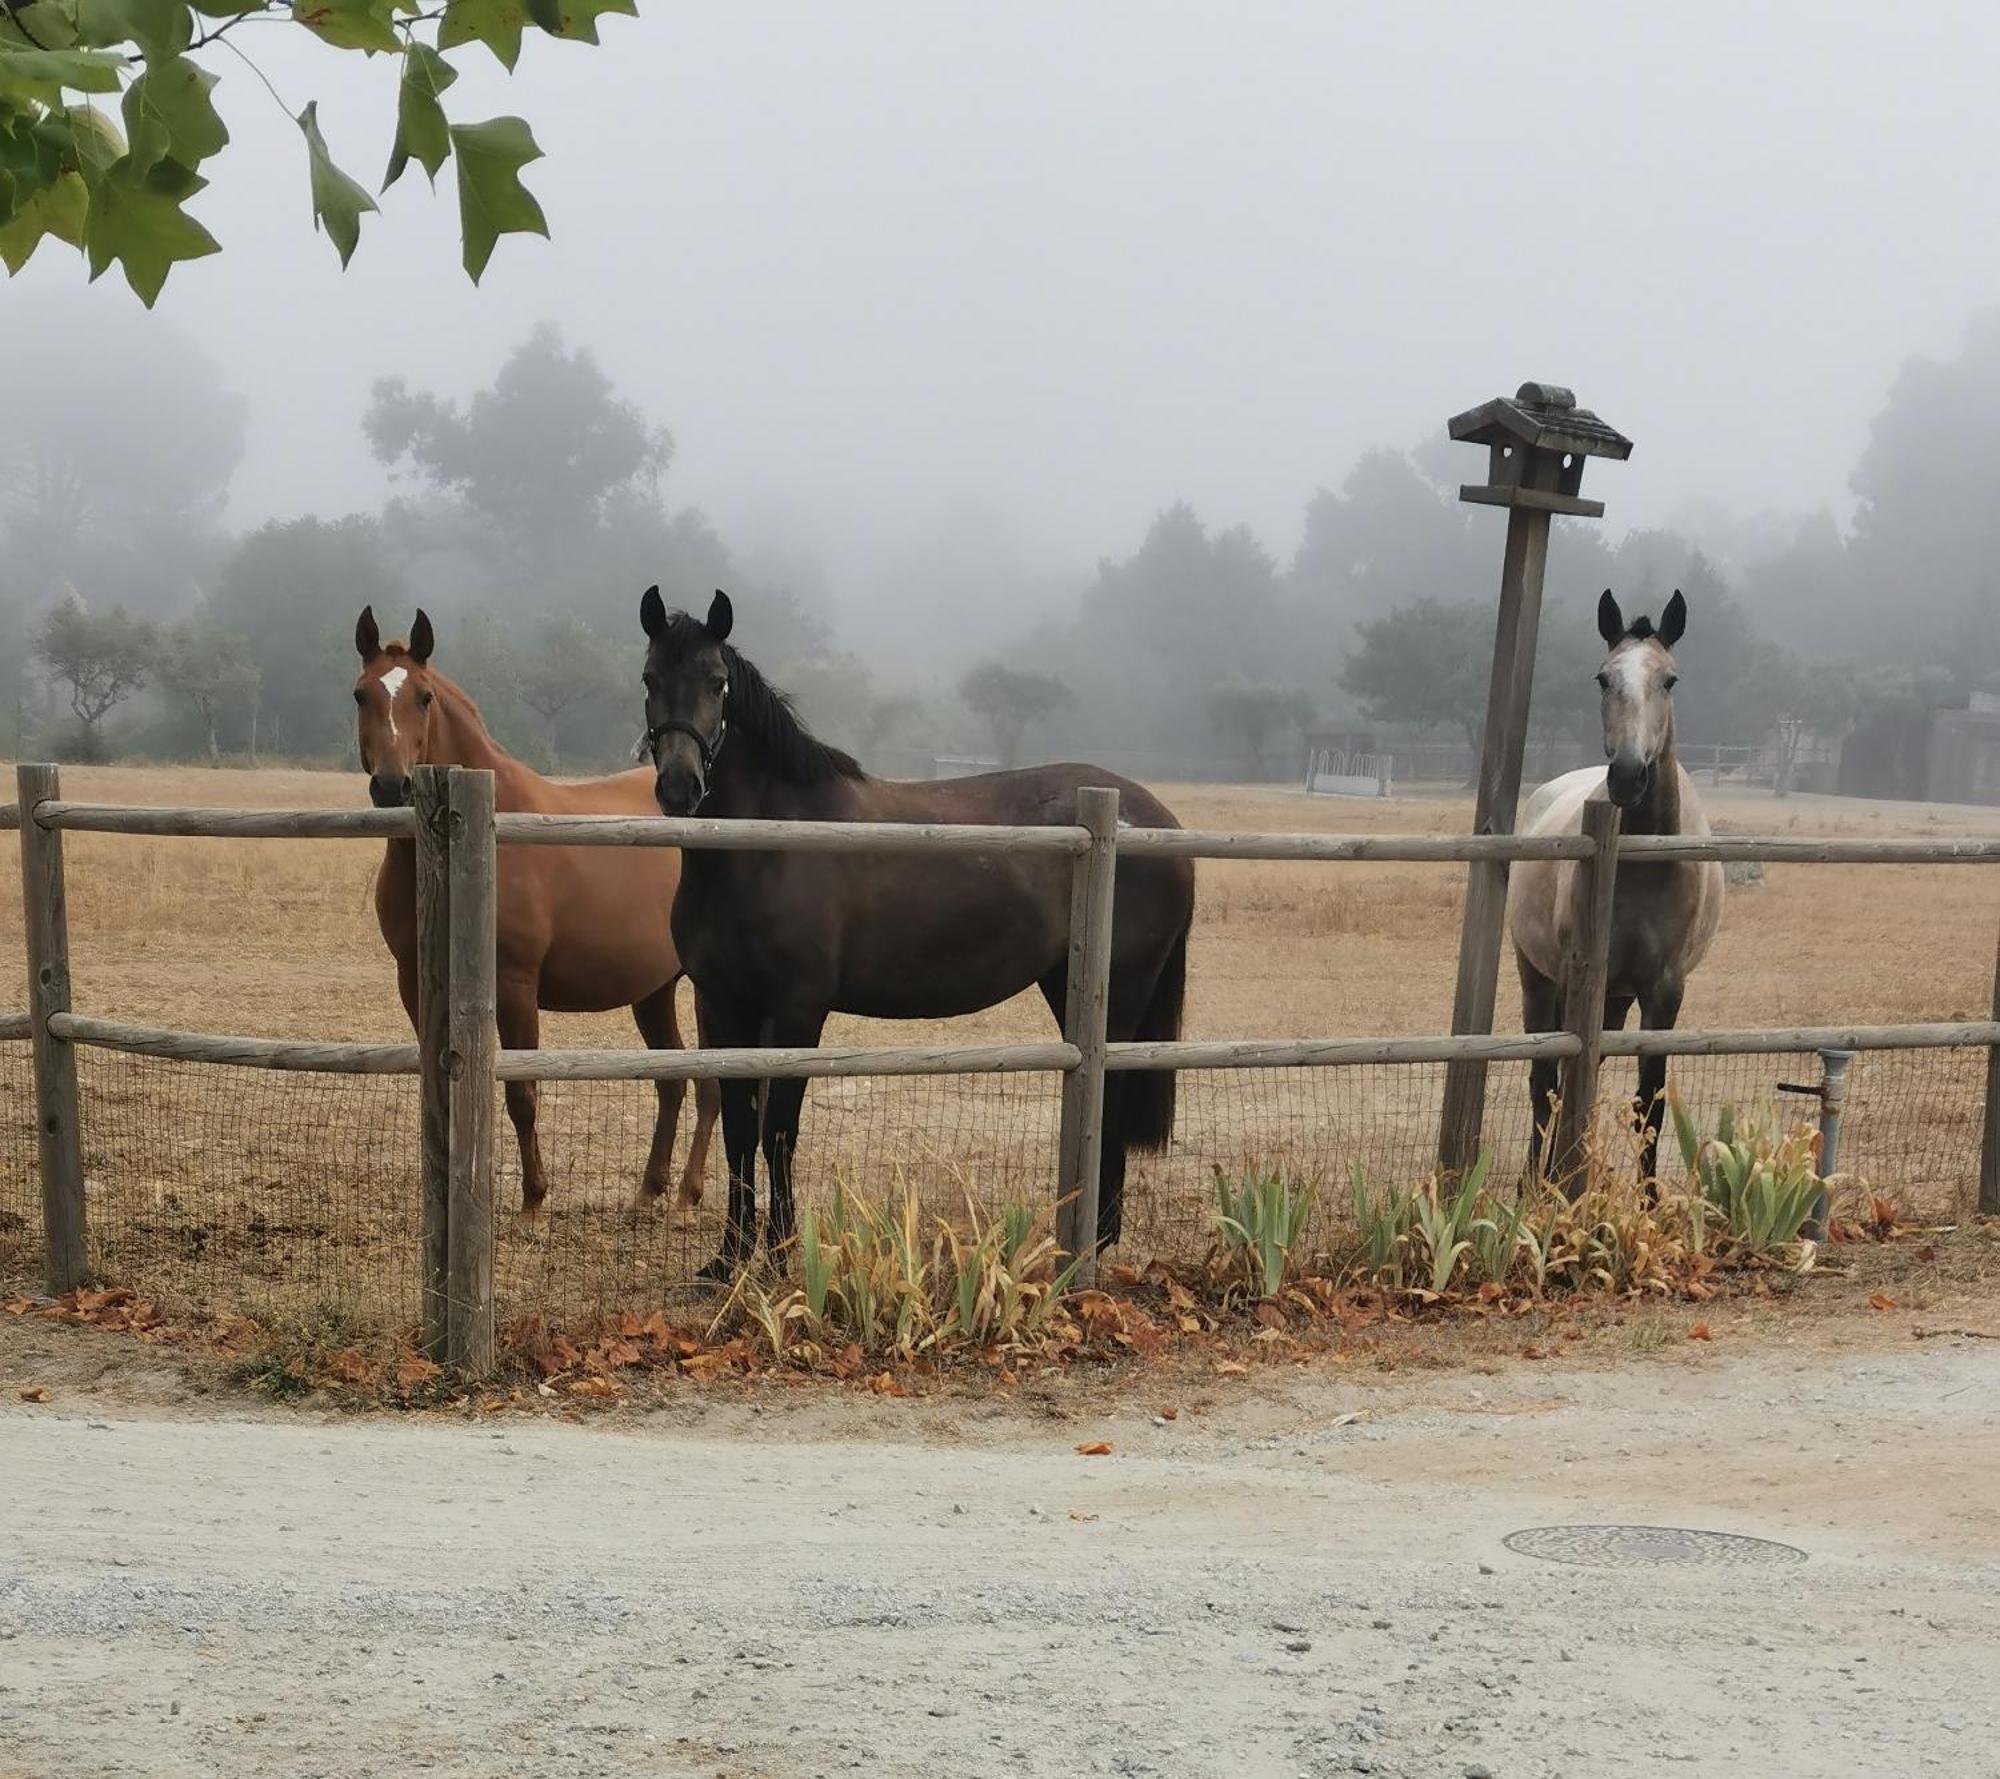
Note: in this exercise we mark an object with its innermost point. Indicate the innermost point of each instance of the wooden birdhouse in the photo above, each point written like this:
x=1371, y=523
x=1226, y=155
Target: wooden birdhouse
x=1536, y=445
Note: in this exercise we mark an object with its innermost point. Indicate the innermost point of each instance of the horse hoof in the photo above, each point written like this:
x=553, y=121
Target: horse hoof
x=690, y=1197
x=719, y=1271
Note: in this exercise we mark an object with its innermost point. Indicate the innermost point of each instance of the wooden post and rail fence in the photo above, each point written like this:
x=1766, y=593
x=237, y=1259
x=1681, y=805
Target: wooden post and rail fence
x=458, y=1063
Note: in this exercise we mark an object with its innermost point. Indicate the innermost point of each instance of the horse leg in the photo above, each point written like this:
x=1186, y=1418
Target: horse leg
x=1657, y=1013
x=654, y=1016
x=707, y=1104
x=520, y=1025
x=784, y=1101
x=1541, y=1011
x=732, y=1025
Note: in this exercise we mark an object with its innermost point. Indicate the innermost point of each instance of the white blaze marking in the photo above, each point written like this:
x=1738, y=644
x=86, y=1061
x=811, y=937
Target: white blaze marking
x=392, y=683
x=1630, y=669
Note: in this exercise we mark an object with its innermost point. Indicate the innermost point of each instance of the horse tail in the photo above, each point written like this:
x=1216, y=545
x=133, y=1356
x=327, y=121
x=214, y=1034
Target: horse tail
x=1146, y=1097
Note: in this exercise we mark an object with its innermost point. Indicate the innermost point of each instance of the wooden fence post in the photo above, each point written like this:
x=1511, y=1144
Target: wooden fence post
x=1989, y=1157
x=58, y=1132
x=1586, y=973
x=1081, y=1149
x=1500, y=757
x=430, y=796
x=473, y=1043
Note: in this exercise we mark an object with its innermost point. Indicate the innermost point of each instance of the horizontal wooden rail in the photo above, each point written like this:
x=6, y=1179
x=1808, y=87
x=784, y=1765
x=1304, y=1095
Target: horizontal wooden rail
x=1201, y=843
x=299, y=1055
x=755, y=1065
x=10, y=817
x=1750, y=849
x=697, y=833
x=229, y=824
x=1753, y=1041
x=16, y=1025
x=1316, y=1053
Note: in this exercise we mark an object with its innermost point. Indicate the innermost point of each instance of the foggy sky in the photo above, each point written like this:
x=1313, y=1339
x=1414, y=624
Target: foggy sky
x=1036, y=271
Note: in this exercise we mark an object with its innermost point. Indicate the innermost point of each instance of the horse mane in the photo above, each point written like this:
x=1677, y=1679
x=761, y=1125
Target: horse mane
x=763, y=713
x=1639, y=629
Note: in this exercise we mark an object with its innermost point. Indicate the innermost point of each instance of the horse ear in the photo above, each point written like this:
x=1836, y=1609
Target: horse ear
x=1674, y=620
x=367, y=638
x=421, y=639
x=652, y=612
x=1610, y=620
x=721, y=616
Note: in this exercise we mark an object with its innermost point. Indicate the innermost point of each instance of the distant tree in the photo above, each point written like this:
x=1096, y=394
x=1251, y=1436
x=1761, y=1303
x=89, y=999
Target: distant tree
x=1256, y=711
x=539, y=456
x=1425, y=664
x=1009, y=700
x=1926, y=535
x=292, y=590
x=118, y=484
x=560, y=665
x=100, y=659
x=1804, y=699
x=211, y=670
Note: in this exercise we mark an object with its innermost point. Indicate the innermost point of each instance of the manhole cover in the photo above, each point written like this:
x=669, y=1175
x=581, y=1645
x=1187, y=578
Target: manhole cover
x=1633, y=1547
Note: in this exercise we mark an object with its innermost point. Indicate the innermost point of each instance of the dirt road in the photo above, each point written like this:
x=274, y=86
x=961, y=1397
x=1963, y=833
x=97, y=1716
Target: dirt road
x=949, y=1588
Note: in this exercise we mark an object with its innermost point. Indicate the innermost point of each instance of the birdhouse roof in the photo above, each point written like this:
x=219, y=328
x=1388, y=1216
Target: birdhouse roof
x=1544, y=416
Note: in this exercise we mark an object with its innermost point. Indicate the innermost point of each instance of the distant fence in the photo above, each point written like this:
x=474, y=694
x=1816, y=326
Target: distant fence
x=458, y=1064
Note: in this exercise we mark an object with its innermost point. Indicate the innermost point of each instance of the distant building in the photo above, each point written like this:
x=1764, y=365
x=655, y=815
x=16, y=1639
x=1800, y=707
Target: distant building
x=1964, y=759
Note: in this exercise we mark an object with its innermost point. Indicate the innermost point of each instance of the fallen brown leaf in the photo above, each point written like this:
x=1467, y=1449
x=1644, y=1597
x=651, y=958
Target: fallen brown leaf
x=414, y=1369
x=1171, y=1412
x=1231, y=1368
x=1881, y=1300
x=349, y=1367
x=1094, y=1448
x=1700, y=1332
x=592, y=1386
x=34, y=1393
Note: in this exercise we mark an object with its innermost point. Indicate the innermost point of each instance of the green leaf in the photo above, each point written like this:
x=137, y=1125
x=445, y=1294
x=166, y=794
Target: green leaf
x=157, y=27
x=57, y=209
x=88, y=140
x=496, y=23
x=492, y=201
x=576, y=20
x=42, y=25
x=44, y=74
x=422, y=134
x=337, y=200
x=349, y=24
x=168, y=112
x=139, y=223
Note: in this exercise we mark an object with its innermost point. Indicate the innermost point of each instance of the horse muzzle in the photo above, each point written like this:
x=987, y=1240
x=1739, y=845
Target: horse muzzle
x=388, y=790
x=1627, y=780
x=679, y=789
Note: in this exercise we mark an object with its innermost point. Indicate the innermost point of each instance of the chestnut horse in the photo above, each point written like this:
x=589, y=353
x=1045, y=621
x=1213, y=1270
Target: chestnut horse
x=1664, y=912
x=582, y=929
x=775, y=941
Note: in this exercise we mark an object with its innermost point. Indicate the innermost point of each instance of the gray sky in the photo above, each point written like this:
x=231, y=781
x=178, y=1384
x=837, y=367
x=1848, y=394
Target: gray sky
x=1050, y=266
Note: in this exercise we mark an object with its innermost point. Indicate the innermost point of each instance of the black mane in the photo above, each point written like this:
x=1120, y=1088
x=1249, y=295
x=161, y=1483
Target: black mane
x=758, y=710
x=1639, y=629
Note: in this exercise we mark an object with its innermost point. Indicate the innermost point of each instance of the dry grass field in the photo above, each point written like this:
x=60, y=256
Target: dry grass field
x=304, y=1186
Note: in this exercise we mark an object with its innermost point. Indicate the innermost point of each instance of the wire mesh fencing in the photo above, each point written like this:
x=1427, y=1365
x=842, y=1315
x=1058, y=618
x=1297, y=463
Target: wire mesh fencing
x=294, y=1197
x=20, y=1178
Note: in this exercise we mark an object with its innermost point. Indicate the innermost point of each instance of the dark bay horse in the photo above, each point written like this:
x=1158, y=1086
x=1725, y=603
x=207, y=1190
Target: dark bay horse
x=1664, y=913
x=775, y=942
x=581, y=929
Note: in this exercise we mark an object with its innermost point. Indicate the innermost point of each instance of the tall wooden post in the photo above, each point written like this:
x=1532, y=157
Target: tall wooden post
x=1499, y=797
x=1081, y=1149
x=473, y=875
x=430, y=795
x=58, y=1132
x=1586, y=974
x=1989, y=1157
x=1537, y=442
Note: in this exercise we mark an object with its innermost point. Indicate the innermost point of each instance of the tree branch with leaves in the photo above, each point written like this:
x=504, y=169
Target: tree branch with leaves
x=117, y=190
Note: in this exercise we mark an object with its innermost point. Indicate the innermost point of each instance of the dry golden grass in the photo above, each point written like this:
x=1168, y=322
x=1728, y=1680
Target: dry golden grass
x=278, y=938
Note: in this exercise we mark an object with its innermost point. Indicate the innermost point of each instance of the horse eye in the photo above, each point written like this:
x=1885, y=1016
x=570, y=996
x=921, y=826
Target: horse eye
x=423, y=701
x=1604, y=681
x=1671, y=681
x=360, y=697
x=718, y=685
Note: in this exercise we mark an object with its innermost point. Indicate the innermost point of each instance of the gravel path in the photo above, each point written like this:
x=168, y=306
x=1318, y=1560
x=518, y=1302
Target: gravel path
x=1262, y=1590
